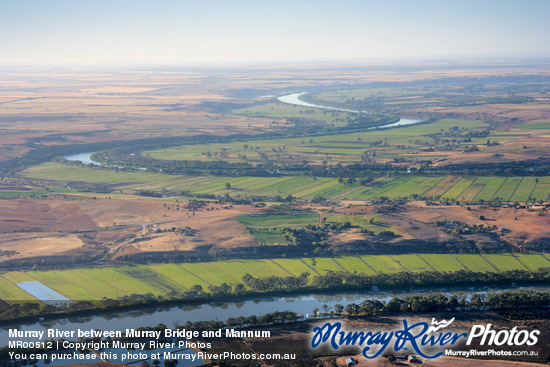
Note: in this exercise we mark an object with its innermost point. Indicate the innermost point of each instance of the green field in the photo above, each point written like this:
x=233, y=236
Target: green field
x=542, y=190
x=475, y=263
x=536, y=126
x=508, y=188
x=442, y=263
x=533, y=261
x=266, y=228
x=346, y=147
x=457, y=189
x=490, y=189
x=461, y=188
x=504, y=262
x=161, y=279
x=413, y=263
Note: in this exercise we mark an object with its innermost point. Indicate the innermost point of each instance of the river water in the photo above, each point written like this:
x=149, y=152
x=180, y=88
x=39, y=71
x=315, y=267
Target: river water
x=82, y=157
x=172, y=315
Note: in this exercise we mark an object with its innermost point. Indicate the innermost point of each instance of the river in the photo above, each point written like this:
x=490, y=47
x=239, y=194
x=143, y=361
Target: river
x=85, y=158
x=171, y=315
x=294, y=99
x=290, y=99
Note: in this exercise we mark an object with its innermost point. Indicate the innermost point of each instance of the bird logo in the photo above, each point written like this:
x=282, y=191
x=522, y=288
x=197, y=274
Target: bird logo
x=439, y=325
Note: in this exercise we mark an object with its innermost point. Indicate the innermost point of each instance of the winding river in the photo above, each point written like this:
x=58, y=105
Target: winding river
x=294, y=99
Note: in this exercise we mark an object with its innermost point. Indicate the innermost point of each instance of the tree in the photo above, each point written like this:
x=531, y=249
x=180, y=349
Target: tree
x=315, y=311
x=353, y=309
x=227, y=185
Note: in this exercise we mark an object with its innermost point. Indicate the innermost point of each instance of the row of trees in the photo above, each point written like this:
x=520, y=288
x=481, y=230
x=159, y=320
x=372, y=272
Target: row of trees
x=437, y=302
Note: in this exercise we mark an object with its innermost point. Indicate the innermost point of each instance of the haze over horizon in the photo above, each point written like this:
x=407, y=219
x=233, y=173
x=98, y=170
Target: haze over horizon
x=218, y=32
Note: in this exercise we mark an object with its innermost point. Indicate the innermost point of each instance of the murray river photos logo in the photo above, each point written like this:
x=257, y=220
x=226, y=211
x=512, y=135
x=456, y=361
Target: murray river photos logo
x=423, y=338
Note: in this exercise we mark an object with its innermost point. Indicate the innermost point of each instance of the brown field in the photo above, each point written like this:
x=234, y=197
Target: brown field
x=417, y=221
x=30, y=214
x=46, y=227
x=521, y=147
x=38, y=244
x=225, y=232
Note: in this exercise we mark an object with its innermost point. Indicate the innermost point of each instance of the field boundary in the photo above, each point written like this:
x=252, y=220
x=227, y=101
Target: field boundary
x=426, y=262
x=490, y=263
x=366, y=263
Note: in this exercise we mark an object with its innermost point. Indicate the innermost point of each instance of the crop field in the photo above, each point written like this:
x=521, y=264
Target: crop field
x=442, y=263
x=504, y=262
x=160, y=279
x=475, y=187
x=542, y=190
x=382, y=264
x=96, y=287
x=12, y=293
x=70, y=289
x=524, y=189
x=475, y=263
x=508, y=188
x=412, y=263
x=347, y=147
x=490, y=189
x=442, y=186
x=265, y=268
x=266, y=228
x=353, y=263
x=363, y=221
x=323, y=265
x=296, y=266
x=278, y=221
x=536, y=126
x=180, y=275
x=209, y=273
x=533, y=261
x=464, y=188
x=458, y=188
x=299, y=186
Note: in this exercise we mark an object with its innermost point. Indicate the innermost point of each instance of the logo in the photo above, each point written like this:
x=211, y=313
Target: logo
x=503, y=337
x=422, y=337
x=439, y=325
x=416, y=335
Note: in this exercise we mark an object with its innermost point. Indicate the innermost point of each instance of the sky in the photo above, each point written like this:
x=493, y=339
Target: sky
x=50, y=32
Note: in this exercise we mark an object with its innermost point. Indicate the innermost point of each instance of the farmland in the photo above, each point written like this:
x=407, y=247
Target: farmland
x=469, y=188
x=160, y=279
x=345, y=147
x=203, y=167
x=266, y=228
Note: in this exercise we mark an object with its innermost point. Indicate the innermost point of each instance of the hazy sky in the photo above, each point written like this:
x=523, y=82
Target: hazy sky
x=215, y=31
